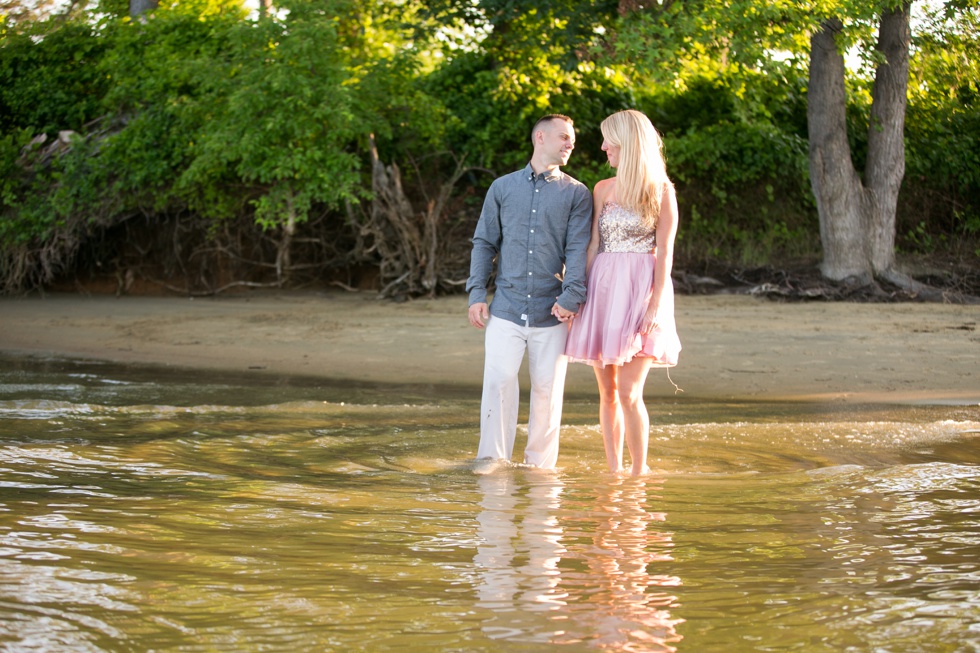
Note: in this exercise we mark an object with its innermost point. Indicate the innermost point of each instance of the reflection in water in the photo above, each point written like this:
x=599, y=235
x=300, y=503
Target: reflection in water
x=609, y=595
x=633, y=605
x=519, y=550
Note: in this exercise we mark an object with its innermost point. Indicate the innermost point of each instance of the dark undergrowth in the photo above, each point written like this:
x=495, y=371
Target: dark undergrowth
x=945, y=279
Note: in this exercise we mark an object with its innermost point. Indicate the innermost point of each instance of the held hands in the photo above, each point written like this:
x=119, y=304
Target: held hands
x=561, y=313
x=479, y=314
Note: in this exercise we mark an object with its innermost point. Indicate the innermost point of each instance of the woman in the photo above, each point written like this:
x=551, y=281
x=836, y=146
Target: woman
x=626, y=325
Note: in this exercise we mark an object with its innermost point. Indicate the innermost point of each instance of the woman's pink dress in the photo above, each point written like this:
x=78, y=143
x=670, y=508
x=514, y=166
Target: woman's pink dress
x=606, y=329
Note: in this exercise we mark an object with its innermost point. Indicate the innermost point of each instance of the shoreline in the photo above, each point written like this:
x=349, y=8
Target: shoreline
x=736, y=347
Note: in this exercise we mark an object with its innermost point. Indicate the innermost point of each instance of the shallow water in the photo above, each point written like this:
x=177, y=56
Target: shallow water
x=147, y=510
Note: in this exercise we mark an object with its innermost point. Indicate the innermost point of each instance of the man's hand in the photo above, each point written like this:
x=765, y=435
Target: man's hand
x=479, y=314
x=561, y=313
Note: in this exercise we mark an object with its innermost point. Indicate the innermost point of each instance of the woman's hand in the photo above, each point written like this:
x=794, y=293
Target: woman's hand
x=650, y=321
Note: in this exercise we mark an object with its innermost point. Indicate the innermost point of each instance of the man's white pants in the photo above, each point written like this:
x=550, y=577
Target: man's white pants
x=506, y=344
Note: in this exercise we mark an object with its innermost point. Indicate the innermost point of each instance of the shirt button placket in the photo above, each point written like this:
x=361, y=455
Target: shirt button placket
x=532, y=225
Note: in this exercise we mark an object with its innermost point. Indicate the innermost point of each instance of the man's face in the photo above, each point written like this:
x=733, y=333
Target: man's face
x=557, y=142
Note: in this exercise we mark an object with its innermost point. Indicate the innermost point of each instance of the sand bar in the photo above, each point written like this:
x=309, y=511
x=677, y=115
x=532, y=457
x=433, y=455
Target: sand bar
x=736, y=347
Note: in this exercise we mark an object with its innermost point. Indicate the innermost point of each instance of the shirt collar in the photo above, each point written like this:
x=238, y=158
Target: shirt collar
x=551, y=175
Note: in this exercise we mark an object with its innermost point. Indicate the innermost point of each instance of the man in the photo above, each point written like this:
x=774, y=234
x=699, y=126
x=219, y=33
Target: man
x=536, y=222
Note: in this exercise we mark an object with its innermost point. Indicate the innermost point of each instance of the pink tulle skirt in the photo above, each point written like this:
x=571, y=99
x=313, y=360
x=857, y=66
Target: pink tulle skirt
x=606, y=329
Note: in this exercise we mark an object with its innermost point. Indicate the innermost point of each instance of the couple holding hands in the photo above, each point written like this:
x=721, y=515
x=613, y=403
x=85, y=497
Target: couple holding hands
x=580, y=277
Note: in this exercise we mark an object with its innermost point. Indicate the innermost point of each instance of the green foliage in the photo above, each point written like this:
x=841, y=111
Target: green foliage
x=672, y=40
x=11, y=171
x=729, y=155
x=279, y=117
x=736, y=149
x=201, y=114
x=529, y=63
x=386, y=72
x=518, y=32
x=153, y=104
x=941, y=196
x=493, y=108
x=199, y=109
x=49, y=78
x=744, y=186
x=38, y=230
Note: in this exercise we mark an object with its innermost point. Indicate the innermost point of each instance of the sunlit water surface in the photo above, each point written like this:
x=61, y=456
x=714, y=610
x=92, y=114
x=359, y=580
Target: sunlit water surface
x=155, y=511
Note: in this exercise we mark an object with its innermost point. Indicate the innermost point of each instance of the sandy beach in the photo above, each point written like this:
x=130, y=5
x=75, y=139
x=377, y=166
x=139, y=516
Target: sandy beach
x=736, y=347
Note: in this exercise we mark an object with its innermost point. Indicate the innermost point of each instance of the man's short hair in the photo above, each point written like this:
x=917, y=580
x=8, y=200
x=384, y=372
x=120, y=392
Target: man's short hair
x=549, y=118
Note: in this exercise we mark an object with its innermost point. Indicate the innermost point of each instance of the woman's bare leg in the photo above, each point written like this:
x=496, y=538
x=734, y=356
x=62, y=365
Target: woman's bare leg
x=610, y=415
x=636, y=420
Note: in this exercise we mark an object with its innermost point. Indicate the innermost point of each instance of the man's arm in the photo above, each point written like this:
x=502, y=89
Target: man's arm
x=577, y=238
x=486, y=246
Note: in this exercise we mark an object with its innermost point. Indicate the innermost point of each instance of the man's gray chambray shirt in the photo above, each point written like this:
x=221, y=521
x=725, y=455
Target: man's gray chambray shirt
x=538, y=227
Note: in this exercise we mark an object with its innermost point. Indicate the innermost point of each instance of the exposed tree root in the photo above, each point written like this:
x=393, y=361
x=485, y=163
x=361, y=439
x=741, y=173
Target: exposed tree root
x=806, y=284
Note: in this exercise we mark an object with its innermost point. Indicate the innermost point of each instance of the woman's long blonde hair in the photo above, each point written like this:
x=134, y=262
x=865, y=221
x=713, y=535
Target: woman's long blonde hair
x=641, y=176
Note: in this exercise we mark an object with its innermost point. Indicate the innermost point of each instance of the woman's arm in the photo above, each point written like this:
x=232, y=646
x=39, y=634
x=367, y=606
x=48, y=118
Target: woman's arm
x=666, y=231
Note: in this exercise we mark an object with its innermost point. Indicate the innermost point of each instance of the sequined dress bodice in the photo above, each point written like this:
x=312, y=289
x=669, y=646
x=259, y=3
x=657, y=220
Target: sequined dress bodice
x=622, y=231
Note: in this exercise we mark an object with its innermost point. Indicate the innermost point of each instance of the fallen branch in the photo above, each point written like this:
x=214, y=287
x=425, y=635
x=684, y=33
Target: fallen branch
x=213, y=291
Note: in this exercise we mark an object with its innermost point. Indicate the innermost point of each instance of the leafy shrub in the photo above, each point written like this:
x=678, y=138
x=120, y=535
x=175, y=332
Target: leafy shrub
x=740, y=167
x=50, y=76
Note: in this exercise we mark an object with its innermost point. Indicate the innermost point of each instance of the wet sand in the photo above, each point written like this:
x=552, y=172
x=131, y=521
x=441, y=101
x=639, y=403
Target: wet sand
x=735, y=347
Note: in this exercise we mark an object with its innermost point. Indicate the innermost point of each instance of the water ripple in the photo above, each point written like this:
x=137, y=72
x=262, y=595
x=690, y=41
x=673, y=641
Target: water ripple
x=307, y=525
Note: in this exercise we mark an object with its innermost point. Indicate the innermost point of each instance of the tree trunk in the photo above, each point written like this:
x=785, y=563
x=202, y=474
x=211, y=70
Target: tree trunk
x=857, y=220
x=836, y=185
x=284, y=258
x=432, y=218
x=409, y=243
x=886, y=135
